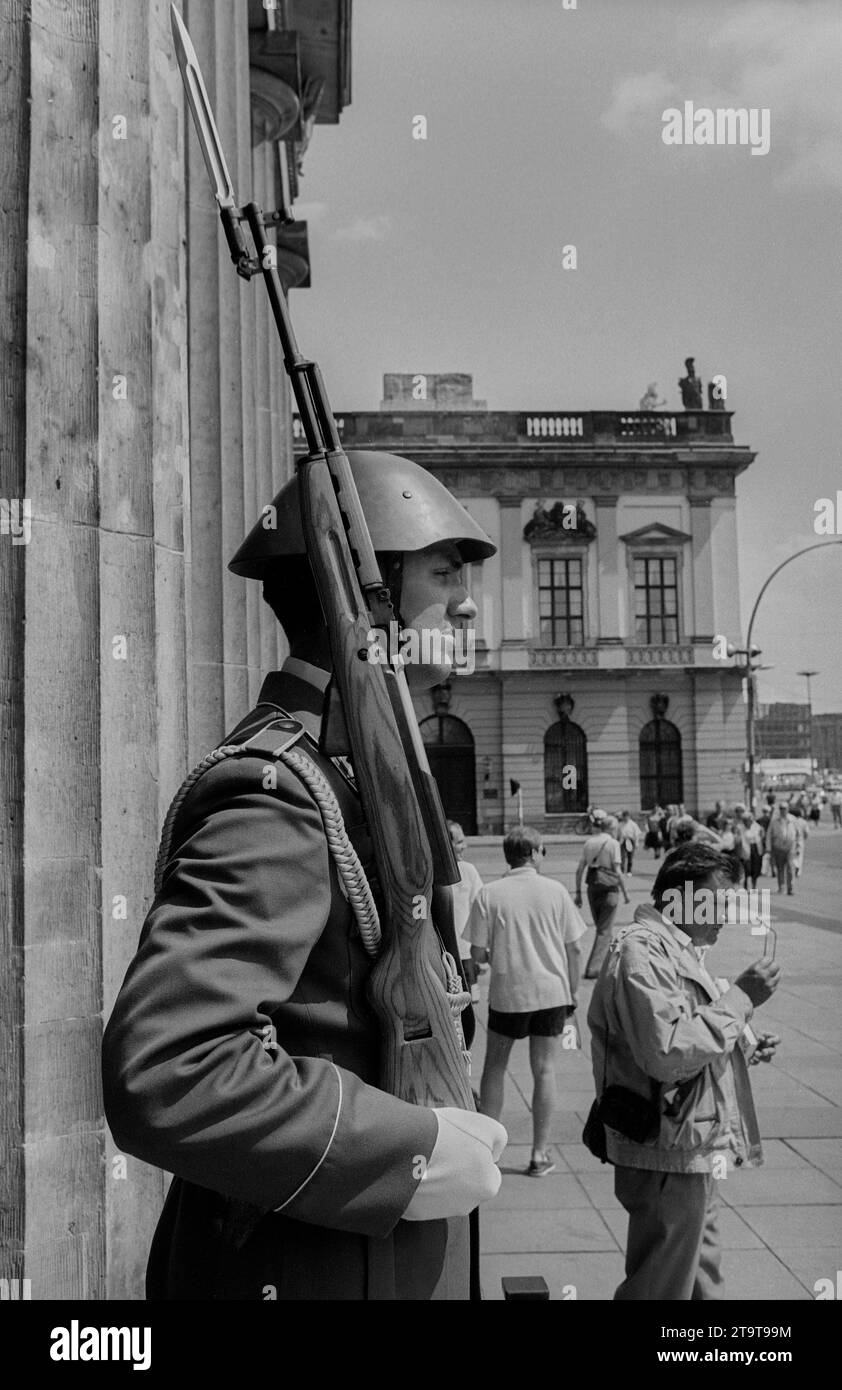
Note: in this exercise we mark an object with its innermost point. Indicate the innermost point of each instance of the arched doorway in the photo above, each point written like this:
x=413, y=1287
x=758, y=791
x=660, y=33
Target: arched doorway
x=661, y=776
x=449, y=744
x=565, y=763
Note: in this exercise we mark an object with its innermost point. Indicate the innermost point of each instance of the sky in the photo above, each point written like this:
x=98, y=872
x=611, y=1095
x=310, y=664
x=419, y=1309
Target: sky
x=544, y=129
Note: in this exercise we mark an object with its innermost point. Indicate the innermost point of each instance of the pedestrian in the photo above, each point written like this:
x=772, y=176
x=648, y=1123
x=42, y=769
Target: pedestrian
x=654, y=831
x=670, y=1048
x=716, y=817
x=526, y=927
x=629, y=835
x=242, y=1054
x=802, y=835
x=782, y=836
x=815, y=808
x=674, y=815
x=686, y=829
x=464, y=892
x=753, y=843
x=835, y=800
x=600, y=864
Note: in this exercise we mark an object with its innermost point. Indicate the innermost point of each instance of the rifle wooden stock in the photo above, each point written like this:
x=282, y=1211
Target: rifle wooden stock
x=421, y=1057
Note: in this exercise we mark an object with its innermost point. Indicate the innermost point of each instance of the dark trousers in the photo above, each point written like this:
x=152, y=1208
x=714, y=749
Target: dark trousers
x=603, y=905
x=673, y=1251
x=782, y=864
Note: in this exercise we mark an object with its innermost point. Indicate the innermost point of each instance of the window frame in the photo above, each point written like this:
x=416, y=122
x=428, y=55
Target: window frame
x=642, y=554
x=554, y=554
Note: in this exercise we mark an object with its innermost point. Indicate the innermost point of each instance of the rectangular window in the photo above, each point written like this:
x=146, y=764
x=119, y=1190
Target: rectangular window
x=656, y=600
x=561, y=607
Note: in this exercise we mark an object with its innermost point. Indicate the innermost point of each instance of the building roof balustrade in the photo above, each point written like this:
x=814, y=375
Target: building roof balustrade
x=530, y=428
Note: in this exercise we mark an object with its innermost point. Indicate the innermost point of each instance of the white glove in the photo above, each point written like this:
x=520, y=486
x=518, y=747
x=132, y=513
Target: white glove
x=462, y=1169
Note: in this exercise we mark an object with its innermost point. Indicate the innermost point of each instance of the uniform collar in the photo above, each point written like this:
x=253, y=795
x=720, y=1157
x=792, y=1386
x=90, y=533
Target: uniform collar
x=297, y=694
x=306, y=671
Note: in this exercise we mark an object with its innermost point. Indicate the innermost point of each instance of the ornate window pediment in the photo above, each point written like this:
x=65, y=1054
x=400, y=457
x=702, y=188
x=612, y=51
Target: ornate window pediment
x=656, y=533
x=563, y=521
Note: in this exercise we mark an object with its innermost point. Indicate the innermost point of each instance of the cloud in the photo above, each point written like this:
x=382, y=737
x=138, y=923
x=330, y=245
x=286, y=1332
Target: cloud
x=313, y=213
x=639, y=94
x=782, y=54
x=790, y=55
x=362, y=229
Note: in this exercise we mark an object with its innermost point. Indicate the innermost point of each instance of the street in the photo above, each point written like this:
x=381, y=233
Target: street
x=781, y=1224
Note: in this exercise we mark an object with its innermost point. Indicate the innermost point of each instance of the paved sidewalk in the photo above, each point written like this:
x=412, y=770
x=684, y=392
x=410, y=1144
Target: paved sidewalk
x=781, y=1224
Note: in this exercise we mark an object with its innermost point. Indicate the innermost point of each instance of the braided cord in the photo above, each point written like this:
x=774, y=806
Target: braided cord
x=210, y=760
x=345, y=857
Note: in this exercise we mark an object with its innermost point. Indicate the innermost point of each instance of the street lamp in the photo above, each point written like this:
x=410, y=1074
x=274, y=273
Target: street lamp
x=748, y=650
x=809, y=675
x=750, y=667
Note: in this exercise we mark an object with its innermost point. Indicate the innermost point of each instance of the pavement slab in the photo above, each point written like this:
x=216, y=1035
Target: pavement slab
x=559, y=1231
x=824, y=1154
x=801, y=1228
x=792, y=1187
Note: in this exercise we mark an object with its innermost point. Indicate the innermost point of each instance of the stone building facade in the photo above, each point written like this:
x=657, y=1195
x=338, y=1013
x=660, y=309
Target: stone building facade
x=616, y=570
x=145, y=420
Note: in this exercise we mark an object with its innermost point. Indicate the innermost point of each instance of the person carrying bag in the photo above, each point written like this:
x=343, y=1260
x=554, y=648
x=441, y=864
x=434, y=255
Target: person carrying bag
x=601, y=862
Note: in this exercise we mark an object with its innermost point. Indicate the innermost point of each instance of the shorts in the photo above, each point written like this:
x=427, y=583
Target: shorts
x=539, y=1023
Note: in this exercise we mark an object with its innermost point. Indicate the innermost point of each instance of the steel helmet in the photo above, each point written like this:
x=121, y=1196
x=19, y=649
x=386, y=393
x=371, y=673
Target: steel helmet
x=405, y=506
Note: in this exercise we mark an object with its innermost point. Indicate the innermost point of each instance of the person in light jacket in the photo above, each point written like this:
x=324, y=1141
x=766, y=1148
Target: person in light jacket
x=676, y=1039
x=783, y=837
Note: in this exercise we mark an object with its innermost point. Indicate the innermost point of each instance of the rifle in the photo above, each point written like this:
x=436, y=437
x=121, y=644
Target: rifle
x=368, y=710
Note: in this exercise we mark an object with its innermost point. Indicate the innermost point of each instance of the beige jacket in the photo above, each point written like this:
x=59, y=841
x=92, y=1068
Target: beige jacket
x=671, y=1034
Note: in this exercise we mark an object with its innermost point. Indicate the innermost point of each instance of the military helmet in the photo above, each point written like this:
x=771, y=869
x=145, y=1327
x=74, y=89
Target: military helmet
x=405, y=506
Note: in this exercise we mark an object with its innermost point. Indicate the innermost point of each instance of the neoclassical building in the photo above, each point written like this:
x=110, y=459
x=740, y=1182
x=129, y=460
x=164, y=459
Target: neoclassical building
x=596, y=679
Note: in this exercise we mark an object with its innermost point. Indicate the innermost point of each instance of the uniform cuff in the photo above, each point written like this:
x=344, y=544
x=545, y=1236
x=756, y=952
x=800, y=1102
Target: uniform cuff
x=378, y=1149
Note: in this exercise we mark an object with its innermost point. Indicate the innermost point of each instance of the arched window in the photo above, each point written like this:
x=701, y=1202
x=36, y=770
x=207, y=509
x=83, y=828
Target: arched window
x=661, y=780
x=449, y=745
x=565, y=768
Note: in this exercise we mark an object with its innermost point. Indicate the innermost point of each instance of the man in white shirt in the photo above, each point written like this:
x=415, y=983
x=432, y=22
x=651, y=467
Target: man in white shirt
x=464, y=892
x=528, y=928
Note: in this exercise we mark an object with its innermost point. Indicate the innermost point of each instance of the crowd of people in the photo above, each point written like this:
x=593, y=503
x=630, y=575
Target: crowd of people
x=770, y=841
x=671, y=1044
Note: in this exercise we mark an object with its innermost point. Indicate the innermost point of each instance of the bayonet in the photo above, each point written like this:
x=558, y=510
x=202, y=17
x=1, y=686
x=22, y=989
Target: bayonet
x=197, y=96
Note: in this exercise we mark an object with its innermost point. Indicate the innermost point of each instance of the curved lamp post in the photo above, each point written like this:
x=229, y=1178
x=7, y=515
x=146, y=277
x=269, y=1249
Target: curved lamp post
x=750, y=652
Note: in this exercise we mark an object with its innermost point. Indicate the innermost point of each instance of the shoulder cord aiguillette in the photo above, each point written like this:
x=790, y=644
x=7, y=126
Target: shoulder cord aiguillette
x=348, y=866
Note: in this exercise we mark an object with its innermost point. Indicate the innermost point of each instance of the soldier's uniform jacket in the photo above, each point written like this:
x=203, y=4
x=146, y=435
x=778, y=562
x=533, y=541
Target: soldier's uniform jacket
x=242, y=1056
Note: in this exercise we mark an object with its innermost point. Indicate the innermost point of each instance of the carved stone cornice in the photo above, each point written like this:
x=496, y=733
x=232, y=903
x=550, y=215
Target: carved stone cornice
x=467, y=481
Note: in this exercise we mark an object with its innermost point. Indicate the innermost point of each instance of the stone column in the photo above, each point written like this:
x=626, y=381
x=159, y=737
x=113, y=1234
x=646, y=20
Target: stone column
x=94, y=434
x=607, y=554
x=703, y=579
x=222, y=355
x=511, y=566
x=15, y=151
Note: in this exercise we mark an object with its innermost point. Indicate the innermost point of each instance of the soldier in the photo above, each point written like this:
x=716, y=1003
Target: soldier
x=242, y=1054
